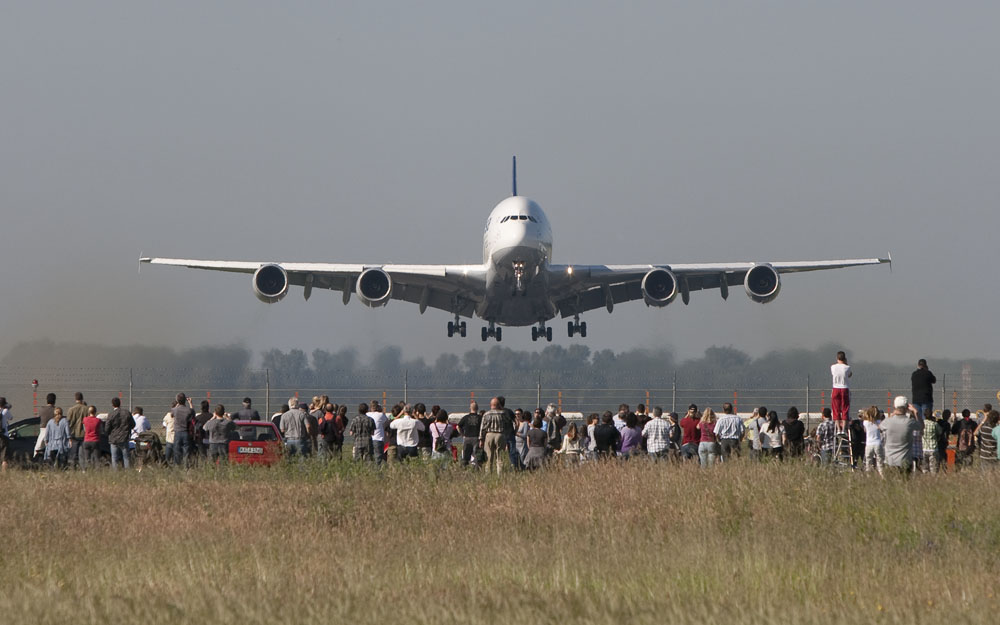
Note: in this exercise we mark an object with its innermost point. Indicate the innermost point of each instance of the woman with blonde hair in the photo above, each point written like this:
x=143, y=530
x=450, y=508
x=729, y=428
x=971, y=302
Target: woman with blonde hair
x=57, y=439
x=708, y=446
x=571, y=445
x=874, y=453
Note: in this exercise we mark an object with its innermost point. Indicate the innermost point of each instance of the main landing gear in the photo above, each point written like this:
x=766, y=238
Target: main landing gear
x=456, y=327
x=493, y=331
x=575, y=327
x=540, y=331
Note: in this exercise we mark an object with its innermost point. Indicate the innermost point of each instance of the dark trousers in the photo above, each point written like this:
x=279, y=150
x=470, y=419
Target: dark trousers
x=91, y=455
x=469, y=445
x=218, y=452
x=729, y=447
x=182, y=447
x=406, y=452
x=76, y=458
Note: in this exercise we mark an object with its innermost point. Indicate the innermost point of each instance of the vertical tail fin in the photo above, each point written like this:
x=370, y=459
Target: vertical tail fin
x=514, y=177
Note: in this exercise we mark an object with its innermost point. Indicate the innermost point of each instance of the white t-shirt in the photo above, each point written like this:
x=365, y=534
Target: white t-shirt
x=841, y=374
x=771, y=440
x=873, y=436
x=380, y=420
x=407, y=429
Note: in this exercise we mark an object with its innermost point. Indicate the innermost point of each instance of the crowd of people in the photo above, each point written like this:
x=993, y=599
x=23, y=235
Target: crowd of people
x=911, y=438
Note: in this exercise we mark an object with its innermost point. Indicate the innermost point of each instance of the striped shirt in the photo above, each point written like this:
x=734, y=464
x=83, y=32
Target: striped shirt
x=826, y=433
x=657, y=435
x=729, y=426
x=495, y=421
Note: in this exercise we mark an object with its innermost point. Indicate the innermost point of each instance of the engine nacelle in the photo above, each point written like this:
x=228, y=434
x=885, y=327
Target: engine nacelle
x=762, y=283
x=374, y=288
x=659, y=287
x=270, y=283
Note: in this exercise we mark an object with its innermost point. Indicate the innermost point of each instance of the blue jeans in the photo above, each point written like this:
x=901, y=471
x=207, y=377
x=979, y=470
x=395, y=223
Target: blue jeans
x=513, y=454
x=708, y=453
x=923, y=408
x=296, y=446
x=182, y=447
x=119, y=451
x=825, y=456
x=689, y=450
x=378, y=451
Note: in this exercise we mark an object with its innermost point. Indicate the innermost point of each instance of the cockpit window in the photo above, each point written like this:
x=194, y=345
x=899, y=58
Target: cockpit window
x=524, y=216
x=504, y=220
x=533, y=220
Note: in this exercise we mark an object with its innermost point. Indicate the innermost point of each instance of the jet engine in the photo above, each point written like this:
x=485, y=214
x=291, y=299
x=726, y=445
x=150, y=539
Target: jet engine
x=374, y=288
x=659, y=287
x=270, y=283
x=762, y=283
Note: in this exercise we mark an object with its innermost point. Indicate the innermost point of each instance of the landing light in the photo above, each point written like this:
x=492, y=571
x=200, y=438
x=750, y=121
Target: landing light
x=569, y=270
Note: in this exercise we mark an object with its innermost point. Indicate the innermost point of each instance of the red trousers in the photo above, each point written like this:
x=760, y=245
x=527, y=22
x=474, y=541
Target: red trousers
x=840, y=403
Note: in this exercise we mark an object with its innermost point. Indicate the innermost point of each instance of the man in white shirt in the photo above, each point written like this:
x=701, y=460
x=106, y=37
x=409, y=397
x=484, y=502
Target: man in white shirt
x=407, y=433
x=141, y=423
x=619, y=419
x=378, y=438
x=840, y=396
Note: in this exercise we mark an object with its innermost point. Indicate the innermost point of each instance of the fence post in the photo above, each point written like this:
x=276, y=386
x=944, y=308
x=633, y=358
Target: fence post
x=808, y=414
x=267, y=393
x=560, y=402
x=539, y=389
x=736, y=402
x=954, y=402
x=944, y=385
x=673, y=394
x=130, y=389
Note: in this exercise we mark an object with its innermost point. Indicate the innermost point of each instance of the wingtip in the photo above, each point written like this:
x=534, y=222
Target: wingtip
x=888, y=259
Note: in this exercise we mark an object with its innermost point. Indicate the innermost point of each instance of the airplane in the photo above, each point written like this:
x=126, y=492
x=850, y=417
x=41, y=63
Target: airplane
x=517, y=284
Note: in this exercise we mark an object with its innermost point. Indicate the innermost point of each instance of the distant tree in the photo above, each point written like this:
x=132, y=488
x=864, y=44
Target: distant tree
x=474, y=359
x=726, y=357
x=446, y=364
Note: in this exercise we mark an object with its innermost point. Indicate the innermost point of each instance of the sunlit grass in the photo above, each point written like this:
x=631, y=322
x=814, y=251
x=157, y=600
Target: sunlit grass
x=603, y=543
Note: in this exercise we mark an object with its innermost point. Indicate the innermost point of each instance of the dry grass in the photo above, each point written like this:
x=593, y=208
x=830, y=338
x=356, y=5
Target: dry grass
x=599, y=544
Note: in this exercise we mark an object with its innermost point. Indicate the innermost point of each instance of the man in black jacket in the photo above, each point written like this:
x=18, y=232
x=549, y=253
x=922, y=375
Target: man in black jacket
x=119, y=427
x=468, y=426
x=922, y=382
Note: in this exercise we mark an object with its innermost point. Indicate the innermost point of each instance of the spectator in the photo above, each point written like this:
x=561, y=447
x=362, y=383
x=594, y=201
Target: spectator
x=826, y=435
x=795, y=433
x=219, y=430
x=341, y=422
x=199, y=438
x=425, y=439
x=294, y=430
x=772, y=437
x=917, y=453
x=708, y=445
x=441, y=433
x=378, y=438
x=141, y=423
x=987, y=441
x=619, y=419
x=676, y=436
x=362, y=429
x=93, y=428
x=407, y=429
x=4, y=433
x=512, y=455
x=391, y=449
x=76, y=414
x=521, y=426
x=931, y=433
x=856, y=432
x=840, y=396
x=536, y=445
x=572, y=446
x=692, y=436
x=656, y=433
x=592, y=422
x=729, y=431
x=168, y=433
x=753, y=427
x=944, y=435
x=331, y=434
x=922, y=382
x=45, y=414
x=312, y=427
x=276, y=417
x=57, y=440
x=555, y=422
x=631, y=436
x=119, y=426
x=899, y=430
x=468, y=427
x=874, y=454
x=183, y=422
x=492, y=436
x=246, y=413
x=965, y=440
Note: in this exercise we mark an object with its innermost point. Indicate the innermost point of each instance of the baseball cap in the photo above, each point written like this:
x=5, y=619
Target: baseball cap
x=901, y=401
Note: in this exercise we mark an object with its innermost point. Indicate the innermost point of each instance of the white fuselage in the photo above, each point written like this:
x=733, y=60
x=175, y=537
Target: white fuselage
x=517, y=248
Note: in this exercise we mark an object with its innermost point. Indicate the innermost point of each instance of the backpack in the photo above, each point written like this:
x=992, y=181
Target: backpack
x=441, y=443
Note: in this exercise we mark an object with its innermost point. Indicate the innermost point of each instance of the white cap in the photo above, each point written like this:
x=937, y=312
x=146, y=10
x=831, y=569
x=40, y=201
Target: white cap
x=901, y=401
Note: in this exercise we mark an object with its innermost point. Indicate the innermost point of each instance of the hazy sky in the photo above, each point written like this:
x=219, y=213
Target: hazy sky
x=373, y=132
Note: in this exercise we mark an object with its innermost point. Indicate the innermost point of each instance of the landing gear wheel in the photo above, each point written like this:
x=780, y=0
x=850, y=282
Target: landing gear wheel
x=499, y=334
x=485, y=334
x=461, y=330
x=583, y=330
x=548, y=334
x=570, y=328
x=534, y=333
x=451, y=329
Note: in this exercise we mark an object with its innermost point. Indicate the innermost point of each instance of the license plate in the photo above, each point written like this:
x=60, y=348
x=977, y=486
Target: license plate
x=249, y=450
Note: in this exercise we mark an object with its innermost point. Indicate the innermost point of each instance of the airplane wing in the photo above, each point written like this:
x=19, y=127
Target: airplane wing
x=579, y=288
x=452, y=288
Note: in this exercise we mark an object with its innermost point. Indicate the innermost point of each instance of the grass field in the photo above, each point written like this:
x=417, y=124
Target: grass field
x=635, y=543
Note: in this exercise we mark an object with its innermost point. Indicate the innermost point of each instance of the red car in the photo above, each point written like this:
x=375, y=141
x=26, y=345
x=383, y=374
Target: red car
x=255, y=442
